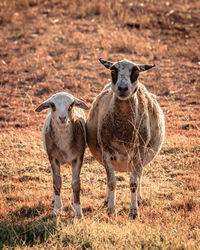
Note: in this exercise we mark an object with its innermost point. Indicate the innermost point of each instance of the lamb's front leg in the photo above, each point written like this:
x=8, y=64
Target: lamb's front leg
x=57, y=182
x=135, y=188
x=111, y=183
x=76, y=169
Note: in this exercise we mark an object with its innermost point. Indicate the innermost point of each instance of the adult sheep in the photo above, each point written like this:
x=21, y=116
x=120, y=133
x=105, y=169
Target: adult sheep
x=125, y=129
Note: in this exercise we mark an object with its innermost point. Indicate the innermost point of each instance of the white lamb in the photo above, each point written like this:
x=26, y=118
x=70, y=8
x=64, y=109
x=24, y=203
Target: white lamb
x=64, y=139
x=125, y=129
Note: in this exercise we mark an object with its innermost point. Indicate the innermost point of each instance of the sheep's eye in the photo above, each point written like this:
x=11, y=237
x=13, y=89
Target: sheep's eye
x=70, y=106
x=53, y=106
x=134, y=74
x=114, y=74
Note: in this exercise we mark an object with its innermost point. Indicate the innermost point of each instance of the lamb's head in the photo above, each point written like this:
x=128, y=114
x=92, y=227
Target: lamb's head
x=124, y=76
x=61, y=106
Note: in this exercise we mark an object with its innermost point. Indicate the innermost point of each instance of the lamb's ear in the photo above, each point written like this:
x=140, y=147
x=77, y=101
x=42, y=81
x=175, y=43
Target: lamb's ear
x=80, y=104
x=46, y=105
x=144, y=67
x=107, y=64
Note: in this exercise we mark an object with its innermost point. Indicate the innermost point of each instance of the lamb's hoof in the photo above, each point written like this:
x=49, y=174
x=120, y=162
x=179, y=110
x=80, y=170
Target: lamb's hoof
x=77, y=210
x=133, y=214
x=57, y=206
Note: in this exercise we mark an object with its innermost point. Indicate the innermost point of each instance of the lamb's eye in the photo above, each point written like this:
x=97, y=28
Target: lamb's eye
x=53, y=106
x=134, y=74
x=70, y=106
x=114, y=75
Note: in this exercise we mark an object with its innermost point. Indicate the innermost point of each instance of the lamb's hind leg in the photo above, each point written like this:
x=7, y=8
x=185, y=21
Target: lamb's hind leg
x=111, y=184
x=57, y=203
x=76, y=168
x=134, y=187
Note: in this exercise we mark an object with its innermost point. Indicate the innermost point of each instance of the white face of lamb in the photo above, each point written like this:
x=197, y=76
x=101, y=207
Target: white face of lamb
x=63, y=108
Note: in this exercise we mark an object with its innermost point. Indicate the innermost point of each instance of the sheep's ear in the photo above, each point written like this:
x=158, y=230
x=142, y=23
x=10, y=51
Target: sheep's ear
x=46, y=105
x=80, y=104
x=144, y=67
x=107, y=64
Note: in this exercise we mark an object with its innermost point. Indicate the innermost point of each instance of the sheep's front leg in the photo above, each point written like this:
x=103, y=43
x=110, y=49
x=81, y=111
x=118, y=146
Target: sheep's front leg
x=140, y=188
x=111, y=183
x=135, y=188
x=76, y=169
x=57, y=203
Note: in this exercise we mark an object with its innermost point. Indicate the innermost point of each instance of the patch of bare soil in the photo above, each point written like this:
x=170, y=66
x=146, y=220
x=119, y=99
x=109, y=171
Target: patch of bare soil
x=51, y=46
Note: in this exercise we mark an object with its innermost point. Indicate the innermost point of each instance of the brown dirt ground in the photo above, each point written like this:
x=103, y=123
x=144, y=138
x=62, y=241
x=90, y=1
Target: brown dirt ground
x=52, y=46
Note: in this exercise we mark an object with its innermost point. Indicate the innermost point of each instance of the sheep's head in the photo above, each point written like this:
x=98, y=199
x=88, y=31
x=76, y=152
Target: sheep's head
x=61, y=105
x=124, y=76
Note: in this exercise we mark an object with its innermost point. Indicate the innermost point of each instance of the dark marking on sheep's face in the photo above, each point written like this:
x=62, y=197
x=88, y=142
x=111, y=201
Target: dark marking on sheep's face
x=53, y=106
x=70, y=107
x=114, y=74
x=134, y=74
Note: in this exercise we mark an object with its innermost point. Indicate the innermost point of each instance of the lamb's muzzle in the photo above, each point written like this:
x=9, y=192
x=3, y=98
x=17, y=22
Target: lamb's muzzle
x=125, y=128
x=64, y=139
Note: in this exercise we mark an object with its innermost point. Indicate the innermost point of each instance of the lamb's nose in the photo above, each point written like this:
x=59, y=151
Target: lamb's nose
x=122, y=89
x=62, y=118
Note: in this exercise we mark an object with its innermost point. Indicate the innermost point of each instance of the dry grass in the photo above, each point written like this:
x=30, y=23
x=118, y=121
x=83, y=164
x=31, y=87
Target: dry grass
x=51, y=46
x=169, y=213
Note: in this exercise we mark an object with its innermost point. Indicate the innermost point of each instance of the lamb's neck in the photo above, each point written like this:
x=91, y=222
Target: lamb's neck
x=65, y=129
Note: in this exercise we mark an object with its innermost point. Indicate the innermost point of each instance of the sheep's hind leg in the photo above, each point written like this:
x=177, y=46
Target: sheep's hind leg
x=140, y=189
x=111, y=184
x=134, y=187
x=76, y=168
x=57, y=202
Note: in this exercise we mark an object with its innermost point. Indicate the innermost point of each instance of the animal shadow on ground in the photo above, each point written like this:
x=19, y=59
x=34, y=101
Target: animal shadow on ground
x=27, y=226
x=15, y=232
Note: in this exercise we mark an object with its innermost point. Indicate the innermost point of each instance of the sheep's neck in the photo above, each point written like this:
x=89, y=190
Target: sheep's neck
x=123, y=108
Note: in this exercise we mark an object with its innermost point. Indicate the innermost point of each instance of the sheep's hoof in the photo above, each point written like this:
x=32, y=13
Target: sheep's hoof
x=78, y=215
x=105, y=203
x=139, y=202
x=57, y=211
x=133, y=214
x=111, y=211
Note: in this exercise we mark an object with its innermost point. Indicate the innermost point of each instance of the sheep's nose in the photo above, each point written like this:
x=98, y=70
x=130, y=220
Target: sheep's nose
x=122, y=89
x=62, y=118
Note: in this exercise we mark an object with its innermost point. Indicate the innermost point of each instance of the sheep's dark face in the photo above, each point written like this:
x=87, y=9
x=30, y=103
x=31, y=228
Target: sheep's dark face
x=124, y=79
x=124, y=76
